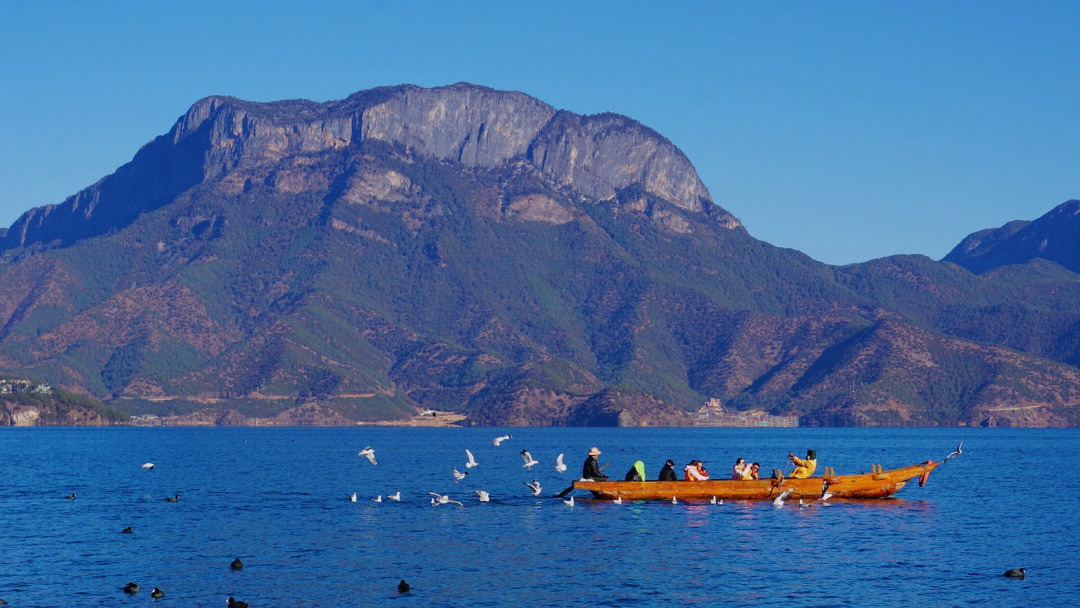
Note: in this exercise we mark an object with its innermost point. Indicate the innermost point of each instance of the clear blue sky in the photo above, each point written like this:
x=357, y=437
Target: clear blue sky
x=846, y=130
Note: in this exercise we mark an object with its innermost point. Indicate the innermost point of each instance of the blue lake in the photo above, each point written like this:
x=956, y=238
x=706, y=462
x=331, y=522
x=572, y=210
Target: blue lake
x=278, y=499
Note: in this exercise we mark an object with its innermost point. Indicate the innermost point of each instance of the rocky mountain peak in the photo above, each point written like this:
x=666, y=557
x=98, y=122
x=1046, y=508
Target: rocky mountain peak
x=1053, y=237
x=476, y=127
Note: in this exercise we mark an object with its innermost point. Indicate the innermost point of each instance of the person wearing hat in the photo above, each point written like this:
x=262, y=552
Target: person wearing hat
x=695, y=471
x=591, y=470
x=803, y=468
x=668, y=472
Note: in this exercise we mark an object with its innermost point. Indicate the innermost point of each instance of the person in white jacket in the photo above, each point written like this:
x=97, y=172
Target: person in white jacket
x=695, y=471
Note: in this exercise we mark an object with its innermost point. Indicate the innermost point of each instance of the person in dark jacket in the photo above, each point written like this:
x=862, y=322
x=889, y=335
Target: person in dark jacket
x=636, y=472
x=668, y=472
x=591, y=470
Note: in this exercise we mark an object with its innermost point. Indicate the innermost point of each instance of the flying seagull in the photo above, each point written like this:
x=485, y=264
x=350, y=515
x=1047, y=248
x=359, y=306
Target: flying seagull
x=826, y=496
x=484, y=496
x=368, y=453
x=472, y=461
x=498, y=440
x=959, y=450
x=535, y=486
x=458, y=476
x=779, y=500
x=443, y=499
x=527, y=457
x=559, y=466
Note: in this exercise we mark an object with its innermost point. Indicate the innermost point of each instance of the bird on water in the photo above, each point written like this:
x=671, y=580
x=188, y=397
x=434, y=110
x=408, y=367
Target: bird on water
x=235, y=603
x=237, y=564
x=131, y=588
x=173, y=498
x=126, y=530
x=1014, y=573
x=157, y=594
x=403, y=587
x=71, y=497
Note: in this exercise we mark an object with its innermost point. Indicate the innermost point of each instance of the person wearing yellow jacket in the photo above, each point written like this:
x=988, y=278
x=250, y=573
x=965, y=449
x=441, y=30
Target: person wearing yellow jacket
x=803, y=468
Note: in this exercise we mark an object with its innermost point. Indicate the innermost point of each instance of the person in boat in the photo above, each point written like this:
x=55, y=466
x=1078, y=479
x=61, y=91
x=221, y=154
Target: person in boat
x=740, y=470
x=803, y=467
x=695, y=471
x=667, y=473
x=752, y=472
x=591, y=469
x=636, y=472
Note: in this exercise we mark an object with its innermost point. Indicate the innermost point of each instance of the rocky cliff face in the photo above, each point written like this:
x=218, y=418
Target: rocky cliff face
x=472, y=126
x=1054, y=237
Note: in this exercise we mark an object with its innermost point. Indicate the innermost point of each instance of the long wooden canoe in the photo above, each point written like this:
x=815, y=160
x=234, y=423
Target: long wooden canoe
x=876, y=484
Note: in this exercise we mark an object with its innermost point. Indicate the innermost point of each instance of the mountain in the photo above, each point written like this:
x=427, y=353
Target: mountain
x=1052, y=237
x=479, y=251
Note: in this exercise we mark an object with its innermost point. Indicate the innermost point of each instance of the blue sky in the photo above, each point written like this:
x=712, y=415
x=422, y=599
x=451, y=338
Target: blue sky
x=847, y=130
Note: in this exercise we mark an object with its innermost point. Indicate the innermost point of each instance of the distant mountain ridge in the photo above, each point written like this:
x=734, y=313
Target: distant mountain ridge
x=482, y=252
x=1054, y=237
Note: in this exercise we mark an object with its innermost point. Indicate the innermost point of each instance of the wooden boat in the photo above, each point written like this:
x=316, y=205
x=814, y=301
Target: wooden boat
x=876, y=484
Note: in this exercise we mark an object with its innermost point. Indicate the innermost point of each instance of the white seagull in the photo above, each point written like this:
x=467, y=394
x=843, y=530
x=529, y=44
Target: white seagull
x=959, y=450
x=779, y=500
x=559, y=466
x=472, y=461
x=377, y=498
x=673, y=501
x=825, y=496
x=527, y=457
x=712, y=501
x=618, y=500
x=569, y=502
x=368, y=453
x=498, y=440
x=484, y=496
x=458, y=475
x=352, y=497
x=149, y=466
x=443, y=499
x=803, y=505
x=396, y=496
x=535, y=486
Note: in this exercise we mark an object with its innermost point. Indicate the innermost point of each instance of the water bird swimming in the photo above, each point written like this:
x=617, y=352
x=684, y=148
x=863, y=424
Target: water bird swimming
x=559, y=466
x=484, y=496
x=395, y=496
x=618, y=500
x=674, y=501
x=234, y=603
x=131, y=588
x=157, y=594
x=1014, y=573
x=368, y=453
x=126, y=530
x=959, y=450
x=149, y=466
x=352, y=497
x=779, y=500
x=498, y=440
x=569, y=502
x=527, y=457
x=458, y=475
x=377, y=498
x=403, y=587
x=826, y=496
x=534, y=486
x=472, y=461
x=712, y=501
x=71, y=497
x=803, y=505
x=173, y=498
x=237, y=564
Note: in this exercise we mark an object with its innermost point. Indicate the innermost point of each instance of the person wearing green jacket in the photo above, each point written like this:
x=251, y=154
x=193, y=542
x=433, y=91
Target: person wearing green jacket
x=636, y=472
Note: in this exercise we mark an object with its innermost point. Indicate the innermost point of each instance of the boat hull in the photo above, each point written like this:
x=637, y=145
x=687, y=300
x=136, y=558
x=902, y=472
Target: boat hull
x=877, y=484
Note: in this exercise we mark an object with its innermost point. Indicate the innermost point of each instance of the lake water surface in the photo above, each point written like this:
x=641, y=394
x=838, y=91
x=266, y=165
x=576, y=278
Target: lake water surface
x=277, y=498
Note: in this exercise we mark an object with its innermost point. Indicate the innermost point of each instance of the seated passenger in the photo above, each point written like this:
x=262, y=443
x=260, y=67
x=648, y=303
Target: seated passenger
x=752, y=472
x=740, y=470
x=591, y=469
x=668, y=472
x=636, y=472
x=695, y=471
x=803, y=467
